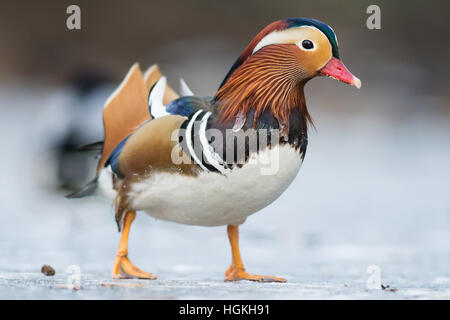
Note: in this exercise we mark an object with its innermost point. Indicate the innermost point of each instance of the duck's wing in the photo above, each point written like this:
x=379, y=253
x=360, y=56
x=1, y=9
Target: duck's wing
x=174, y=124
x=126, y=109
x=157, y=138
x=151, y=149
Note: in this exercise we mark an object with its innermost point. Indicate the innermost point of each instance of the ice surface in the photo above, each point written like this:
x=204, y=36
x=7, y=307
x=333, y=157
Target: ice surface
x=372, y=191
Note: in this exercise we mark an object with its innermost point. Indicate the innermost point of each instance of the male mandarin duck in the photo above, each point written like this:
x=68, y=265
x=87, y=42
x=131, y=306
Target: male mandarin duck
x=213, y=161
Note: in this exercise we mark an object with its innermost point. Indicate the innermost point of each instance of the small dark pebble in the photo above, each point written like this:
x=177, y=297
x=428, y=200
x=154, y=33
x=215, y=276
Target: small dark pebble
x=388, y=288
x=48, y=270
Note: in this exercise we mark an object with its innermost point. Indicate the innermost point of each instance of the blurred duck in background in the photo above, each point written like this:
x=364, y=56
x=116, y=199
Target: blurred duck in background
x=75, y=106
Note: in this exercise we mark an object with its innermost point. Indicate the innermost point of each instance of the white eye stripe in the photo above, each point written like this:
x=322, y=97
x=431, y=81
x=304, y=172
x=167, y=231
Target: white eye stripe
x=286, y=36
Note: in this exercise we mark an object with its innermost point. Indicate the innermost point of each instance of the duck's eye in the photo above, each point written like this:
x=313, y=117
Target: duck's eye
x=307, y=44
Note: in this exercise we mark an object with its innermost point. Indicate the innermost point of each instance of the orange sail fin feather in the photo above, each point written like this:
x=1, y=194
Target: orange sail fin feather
x=127, y=108
x=124, y=111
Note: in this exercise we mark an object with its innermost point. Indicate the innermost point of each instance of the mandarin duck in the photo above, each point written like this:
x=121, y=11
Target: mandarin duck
x=213, y=161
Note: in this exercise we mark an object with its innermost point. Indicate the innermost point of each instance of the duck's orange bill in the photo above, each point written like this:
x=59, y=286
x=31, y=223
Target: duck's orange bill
x=336, y=69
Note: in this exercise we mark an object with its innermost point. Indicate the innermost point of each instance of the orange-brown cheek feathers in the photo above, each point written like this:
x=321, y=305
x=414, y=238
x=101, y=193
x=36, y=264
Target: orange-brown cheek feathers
x=316, y=59
x=271, y=79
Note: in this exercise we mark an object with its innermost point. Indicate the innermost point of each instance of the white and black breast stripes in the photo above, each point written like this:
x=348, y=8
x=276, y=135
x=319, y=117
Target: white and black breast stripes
x=195, y=143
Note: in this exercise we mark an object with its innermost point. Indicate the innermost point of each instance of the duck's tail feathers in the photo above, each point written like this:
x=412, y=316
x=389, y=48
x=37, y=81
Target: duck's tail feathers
x=87, y=190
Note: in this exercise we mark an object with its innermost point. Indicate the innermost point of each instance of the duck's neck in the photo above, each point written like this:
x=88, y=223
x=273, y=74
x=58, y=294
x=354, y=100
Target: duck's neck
x=269, y=83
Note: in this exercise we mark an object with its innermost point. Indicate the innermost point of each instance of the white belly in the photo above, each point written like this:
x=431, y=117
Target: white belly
x=211, y=199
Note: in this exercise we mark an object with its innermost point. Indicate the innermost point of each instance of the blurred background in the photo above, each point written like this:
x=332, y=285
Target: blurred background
x=373, y=190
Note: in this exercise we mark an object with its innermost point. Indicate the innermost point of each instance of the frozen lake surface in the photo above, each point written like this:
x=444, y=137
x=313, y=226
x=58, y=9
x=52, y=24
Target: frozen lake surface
x=373, y=190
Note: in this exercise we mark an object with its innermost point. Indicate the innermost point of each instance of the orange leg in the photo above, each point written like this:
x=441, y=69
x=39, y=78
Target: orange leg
x=123, y=268
x=237, y=270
